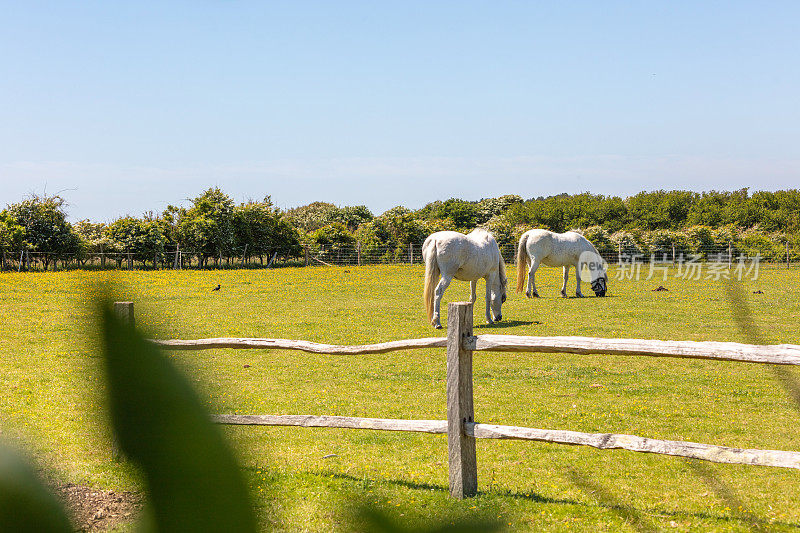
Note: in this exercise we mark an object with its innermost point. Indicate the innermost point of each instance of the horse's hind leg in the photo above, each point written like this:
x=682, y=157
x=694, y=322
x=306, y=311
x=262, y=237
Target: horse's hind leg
x=532, y=292
x=473, y=287
x=564, y=286
x=437, y=299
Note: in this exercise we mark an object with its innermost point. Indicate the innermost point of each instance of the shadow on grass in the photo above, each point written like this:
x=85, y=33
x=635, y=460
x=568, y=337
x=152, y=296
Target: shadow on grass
x=728, y=495
x=588, y=297
x=506, y=324
x=630, y=514
x=627, y=513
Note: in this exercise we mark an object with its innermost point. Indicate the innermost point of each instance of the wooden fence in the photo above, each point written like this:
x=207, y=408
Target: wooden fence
x=460, y=426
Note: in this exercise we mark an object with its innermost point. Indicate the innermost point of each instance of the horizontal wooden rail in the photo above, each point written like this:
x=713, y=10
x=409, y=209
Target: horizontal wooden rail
x=606, y=441
x=346, y=422
x=779, y=354
x=603, y=441
x=305, y=346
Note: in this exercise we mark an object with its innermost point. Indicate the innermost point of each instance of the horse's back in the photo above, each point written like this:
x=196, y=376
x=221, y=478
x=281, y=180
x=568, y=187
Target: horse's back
x=466, y=257
x=556, y=249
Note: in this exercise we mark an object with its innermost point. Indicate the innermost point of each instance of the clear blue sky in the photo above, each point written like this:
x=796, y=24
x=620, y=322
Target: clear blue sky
x=129, y=106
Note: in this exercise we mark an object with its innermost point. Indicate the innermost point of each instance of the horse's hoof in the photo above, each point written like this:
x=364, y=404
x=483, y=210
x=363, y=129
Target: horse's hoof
x=564, y=295
x=529, y=295
x=578, y=295
x=535, y=294
x=498, y=318
x=437, y=326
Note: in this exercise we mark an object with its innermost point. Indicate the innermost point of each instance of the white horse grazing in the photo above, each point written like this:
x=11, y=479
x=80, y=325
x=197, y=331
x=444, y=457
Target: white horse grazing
x=466, y=258
x=559, y=250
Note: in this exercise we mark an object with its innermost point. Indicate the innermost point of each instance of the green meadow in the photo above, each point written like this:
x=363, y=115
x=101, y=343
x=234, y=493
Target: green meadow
x=52, y=400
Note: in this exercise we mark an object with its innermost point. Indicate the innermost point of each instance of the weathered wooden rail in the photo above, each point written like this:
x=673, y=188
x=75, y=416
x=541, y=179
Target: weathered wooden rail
x=460, y=426
x=778, y=354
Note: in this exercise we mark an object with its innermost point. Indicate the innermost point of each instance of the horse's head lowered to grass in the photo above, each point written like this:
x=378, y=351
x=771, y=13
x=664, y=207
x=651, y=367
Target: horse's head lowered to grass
x=497, y=292
x=597, y=269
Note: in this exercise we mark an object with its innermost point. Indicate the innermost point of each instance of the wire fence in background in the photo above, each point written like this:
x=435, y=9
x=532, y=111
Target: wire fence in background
x=356, y=254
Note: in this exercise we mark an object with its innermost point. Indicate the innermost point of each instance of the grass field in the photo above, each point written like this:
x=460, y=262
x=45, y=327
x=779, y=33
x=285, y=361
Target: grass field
x=52, y=395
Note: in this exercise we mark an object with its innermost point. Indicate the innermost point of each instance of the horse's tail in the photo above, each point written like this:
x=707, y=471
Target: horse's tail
x=522, y=262
x=431, y=278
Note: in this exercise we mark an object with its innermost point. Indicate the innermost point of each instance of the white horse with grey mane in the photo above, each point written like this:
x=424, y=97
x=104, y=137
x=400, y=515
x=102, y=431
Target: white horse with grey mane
x=539, y=246
x=466, y=258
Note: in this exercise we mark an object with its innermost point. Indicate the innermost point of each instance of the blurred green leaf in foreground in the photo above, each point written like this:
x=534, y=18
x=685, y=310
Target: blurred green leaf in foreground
x=193, y=481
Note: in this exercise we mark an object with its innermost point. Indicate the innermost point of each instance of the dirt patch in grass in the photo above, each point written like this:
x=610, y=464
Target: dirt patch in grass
x=98, y=510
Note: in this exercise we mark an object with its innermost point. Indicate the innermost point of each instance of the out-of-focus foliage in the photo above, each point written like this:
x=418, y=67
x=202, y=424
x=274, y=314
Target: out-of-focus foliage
x=194, y=483
x=193, y=480
x=25, y=504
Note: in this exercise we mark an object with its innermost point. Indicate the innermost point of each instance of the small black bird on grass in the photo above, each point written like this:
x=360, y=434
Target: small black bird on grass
x=218, y=287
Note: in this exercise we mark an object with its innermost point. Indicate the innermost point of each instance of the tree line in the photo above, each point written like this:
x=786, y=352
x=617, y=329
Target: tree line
x=215, y=229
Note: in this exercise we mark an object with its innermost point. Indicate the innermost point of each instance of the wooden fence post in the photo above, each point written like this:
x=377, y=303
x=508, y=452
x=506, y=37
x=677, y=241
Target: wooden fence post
x=124, y=310
x=306, y=253
x=787, y=255
x=411, y=253
x=461, y=447
x=358, y=252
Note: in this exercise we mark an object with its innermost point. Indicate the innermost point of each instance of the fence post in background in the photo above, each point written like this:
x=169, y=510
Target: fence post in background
x=306, y=252
x=673, y=253
x=358, y=253
x=463, y=465
x=619, y=252
x=175, y=261
x=729, y=254
x=787, y=254
x=124, y=310
x=411, y=253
